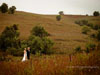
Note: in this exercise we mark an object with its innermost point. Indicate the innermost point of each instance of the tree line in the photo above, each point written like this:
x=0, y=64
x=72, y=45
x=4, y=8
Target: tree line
x=61, y=13
x=38, y=41
x=5, y=9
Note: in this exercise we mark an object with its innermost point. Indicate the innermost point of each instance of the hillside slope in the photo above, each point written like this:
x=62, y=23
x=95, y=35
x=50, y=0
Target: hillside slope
x=66, y=34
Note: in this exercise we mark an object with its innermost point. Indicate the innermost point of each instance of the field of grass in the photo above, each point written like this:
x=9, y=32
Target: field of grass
x=81, y=64
x=66, y=35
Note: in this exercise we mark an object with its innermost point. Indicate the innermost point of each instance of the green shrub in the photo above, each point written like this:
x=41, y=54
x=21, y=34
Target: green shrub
x=82, y=22
x=11, y=51
x=20, y=52
x=96, y=27
x=15, y=52
x=40, y=45
x=90, y=25
x=78, y=22
x=24, y=44
x=90, y=47
x=93, y=35
x=85, y=29
x=36, y=44
x=58, y=17
x=78, y=49
x=48, y=44
x=39, y=31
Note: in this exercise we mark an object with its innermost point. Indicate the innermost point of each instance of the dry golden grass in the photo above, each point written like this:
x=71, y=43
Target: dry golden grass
x=54, y=65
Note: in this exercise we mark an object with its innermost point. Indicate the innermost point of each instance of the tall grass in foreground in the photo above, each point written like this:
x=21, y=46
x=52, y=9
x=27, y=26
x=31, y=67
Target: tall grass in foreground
x=54, y=65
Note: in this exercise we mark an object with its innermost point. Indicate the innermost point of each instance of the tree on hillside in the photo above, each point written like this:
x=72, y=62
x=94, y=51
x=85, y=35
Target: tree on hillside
x=4, y=8
x=61, y=13
x=96, y=13
x=39, y=42
x=58, y=17
x=39, y=31
x=9, y=38
x=12, y=10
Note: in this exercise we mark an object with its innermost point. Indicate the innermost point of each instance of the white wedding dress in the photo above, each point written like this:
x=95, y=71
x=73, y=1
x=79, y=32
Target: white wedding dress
x=25, y=56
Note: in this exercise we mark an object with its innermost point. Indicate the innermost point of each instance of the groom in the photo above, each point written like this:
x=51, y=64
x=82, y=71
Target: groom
x=28, y=53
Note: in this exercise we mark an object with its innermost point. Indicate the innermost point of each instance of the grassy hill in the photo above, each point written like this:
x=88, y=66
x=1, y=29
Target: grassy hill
x=66, y=34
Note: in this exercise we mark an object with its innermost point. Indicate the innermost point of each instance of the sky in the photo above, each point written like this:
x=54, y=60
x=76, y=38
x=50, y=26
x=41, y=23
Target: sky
x=80, y=7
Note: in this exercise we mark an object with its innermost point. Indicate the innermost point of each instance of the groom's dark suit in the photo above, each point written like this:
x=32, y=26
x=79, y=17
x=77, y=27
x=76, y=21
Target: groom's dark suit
x=28, y=54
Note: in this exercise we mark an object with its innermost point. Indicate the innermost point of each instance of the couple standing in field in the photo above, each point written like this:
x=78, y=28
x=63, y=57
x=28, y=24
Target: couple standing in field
x=26, y=54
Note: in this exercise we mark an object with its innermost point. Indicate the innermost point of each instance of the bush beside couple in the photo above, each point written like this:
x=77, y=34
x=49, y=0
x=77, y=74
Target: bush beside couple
x=26, y=54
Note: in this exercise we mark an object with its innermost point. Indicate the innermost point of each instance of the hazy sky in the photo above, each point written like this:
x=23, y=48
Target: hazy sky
x=54, y=6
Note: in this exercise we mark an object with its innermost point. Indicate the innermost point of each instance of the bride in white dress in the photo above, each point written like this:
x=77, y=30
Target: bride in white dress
x=25, y=55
